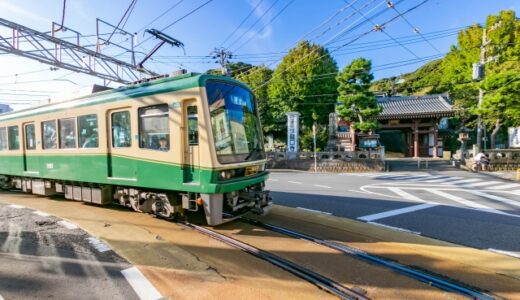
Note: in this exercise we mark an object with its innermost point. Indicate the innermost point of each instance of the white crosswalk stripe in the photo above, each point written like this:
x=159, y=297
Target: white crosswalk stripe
x=443, y=179
x=405, y=195
x=505, y=186
x=480, y=184
x=469, y=203
x=464, y=181
x=493, y=197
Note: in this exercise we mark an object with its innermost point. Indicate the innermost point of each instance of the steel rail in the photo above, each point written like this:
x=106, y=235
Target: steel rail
x=321, y=281
x=398, y=268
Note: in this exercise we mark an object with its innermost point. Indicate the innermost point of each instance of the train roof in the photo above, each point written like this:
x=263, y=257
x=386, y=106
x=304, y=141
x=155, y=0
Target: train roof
x=140, y=89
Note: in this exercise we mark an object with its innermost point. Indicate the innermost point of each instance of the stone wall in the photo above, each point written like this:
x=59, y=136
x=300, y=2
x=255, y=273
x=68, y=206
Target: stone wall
x=500, y=159
x=339, y=162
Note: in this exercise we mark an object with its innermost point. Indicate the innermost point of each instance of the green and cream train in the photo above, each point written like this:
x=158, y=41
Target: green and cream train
x=167, y=147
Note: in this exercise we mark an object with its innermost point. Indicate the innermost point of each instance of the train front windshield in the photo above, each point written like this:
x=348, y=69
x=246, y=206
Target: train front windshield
x=235, y=124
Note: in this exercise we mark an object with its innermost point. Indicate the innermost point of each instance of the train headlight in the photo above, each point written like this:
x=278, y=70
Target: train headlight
x=227, y=174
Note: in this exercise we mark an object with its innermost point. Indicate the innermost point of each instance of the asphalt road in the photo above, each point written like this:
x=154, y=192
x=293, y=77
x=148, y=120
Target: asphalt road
x=43, y=257
x=464, y=208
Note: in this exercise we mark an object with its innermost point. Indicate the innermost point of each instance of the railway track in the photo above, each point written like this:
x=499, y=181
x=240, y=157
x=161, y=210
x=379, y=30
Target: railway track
x=317, y=279
x=359, y=254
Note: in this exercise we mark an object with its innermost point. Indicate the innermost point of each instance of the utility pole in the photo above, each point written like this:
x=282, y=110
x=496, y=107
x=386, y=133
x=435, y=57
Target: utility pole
x=478, y=74
x=480, y=90
x=222, y=56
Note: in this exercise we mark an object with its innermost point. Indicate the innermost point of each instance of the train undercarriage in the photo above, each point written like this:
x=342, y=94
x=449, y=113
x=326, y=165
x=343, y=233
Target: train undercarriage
x=217, y=208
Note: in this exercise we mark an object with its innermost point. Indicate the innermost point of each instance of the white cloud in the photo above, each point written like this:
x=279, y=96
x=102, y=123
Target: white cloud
x=6, y=7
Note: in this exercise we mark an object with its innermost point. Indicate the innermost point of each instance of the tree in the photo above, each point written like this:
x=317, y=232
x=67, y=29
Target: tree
x=501, y=104
x=256, y=78
x=358, y=103
x=299, y=84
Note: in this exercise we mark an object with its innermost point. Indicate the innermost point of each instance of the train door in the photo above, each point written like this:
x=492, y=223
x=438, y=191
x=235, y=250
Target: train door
x=30, y=162
x=121, y=161
x=191, y=142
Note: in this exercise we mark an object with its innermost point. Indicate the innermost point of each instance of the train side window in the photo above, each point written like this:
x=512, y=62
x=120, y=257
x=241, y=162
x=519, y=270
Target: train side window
x=13, y=137
x=30, y=137
x=50, y=135
x=121, y=132
x=193, y=126
x=88, y=131
x=154, y=128
x=67, y=133
x=3, y=138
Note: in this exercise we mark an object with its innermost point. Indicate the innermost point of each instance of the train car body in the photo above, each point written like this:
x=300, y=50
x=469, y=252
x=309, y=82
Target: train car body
x=166, y=146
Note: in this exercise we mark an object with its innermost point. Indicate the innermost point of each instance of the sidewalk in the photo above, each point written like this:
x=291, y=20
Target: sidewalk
x=507, y=175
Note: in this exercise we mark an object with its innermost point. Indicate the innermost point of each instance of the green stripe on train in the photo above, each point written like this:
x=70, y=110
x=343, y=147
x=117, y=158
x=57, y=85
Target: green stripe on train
x=124, y=172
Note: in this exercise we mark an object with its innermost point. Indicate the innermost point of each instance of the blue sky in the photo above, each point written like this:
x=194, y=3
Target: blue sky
x=278, y=26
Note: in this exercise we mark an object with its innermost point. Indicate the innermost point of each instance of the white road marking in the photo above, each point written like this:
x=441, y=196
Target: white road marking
x=479, y=184
x=505, y=186
x=322, y=186
x=412, y=178
x=465, y=181
x=315, y=211
x=396, y=212
x=99, y=245
x=493, y=197
x=363, y=189
x=16, y=206
x=443, y=179
x=508, y=253
x=468, y=203
x=271, y=179
x=142, y=287
x=428, y=177
x=295, y=182
x=405, y=195
x=516, y=192
x=68, y=225
x=41, y=213
x=1, y=298
x=394, y=228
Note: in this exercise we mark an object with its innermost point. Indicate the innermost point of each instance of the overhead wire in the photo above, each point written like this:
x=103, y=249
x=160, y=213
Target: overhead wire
x=241, y=23
x=179, y=19
x=161, y=15
x=312, y=52
x=129, y=9
x=253, y=25
x=415, y=29
x=265, y=25
x=349, y=28
x=383, y=30
x=341, y=46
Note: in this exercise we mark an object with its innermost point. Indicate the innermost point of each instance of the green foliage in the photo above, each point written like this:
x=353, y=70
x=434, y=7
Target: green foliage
x=255, y=78
x=452, y=74
x=358, y=103
x=502, y=98
x=322, y=136
x=295, y=86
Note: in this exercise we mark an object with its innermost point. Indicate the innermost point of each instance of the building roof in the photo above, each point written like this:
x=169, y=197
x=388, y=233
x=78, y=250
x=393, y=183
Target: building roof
x=414, y=107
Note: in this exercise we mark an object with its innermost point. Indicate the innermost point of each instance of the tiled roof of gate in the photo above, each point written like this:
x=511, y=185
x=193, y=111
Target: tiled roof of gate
x=412, y=107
